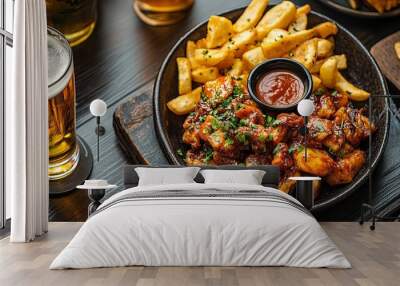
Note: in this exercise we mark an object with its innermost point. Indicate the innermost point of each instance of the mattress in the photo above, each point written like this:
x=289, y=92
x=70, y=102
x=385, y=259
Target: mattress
x=201, y=225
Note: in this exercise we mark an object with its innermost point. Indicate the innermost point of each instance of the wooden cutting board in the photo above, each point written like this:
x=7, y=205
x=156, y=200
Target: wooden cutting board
x=386, y=57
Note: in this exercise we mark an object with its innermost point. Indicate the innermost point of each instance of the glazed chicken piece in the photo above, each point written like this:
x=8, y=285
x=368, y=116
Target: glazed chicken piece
x=286, y=185
x=206, y=127
x=191, y=137
x=356, y=126
x=281, y=157
x=324, y=106
x=250, y=112
x=218, y=90
x=345, y=169
x=335, y=140
x=319, y=128
x=196, y=158
x=259, y=138
x=220, y=159
x=277, y=134
x=340, y=100
x=291, y=120
x=258, y=159
x=318, y=162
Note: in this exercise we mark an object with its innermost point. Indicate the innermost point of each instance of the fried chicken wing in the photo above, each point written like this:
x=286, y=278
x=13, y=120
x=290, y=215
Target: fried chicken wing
x=191, y=137
x=291, y=120
x=324, y=106
x=318, y=162
x=286, y=185
x=250, y=112
x=281, y=158
x=356, y=127
x=319, y=128
x=257, y=159
x=345, y=169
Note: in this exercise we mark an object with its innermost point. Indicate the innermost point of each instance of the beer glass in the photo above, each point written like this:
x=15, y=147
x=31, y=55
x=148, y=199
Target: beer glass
x=161, y=12
x=63, y=148
x=76, y=19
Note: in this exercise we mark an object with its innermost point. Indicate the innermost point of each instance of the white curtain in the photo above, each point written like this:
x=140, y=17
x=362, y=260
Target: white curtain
x=26, y=124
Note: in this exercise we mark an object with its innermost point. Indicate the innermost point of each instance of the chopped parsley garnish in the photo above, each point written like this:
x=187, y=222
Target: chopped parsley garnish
x=215, y=124
x=295, y=148
x=209, y=155
x=276, y=123
x=237, y=91
x=262, y=137
x=276, y=149
x=229, y=141
x=269, y=120
x=180, y=152
x=320, y=91
x=242, y=138
x=243, y=122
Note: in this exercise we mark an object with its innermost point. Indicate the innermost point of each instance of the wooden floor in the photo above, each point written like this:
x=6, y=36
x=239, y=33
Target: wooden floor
x=375, y=257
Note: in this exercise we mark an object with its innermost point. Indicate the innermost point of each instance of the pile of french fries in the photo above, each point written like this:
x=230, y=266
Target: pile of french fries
x=379, y=5
x=258, y=35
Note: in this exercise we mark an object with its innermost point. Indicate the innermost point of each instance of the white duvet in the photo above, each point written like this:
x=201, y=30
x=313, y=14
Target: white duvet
x=200, y=231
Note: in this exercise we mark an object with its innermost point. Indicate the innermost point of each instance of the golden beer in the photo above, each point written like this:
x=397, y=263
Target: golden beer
x=161, y=12
x=63, y=148
x=76, y=19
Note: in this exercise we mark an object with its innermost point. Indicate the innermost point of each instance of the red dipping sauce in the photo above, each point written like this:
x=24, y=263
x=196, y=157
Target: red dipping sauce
x=279, y=88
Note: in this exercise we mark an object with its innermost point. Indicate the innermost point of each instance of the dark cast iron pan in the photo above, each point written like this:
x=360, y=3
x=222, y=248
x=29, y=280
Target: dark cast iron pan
x=362, y=71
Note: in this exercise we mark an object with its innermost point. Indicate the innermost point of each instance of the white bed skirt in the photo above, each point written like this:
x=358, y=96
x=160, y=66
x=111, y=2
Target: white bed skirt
x=200, y=232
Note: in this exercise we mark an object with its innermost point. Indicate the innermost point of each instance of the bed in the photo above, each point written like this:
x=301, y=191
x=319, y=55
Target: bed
x=201, y=224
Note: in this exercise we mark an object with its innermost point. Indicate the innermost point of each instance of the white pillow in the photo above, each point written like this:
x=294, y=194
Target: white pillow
x=247, y=177
x=166, y=176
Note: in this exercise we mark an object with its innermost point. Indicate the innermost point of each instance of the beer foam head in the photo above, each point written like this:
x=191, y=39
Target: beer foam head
x=59, y=62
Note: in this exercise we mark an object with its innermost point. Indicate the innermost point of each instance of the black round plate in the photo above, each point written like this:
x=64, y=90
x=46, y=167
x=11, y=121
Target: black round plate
x=362, y=71
x=363, y=12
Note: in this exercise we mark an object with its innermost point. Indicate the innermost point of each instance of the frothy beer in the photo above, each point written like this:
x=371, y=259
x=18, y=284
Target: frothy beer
x=63, y=148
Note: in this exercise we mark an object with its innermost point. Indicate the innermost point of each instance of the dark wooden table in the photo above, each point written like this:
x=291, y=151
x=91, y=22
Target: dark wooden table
x=121, y=59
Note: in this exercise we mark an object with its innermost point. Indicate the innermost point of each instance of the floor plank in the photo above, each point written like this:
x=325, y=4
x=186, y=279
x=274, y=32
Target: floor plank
x=375, y=257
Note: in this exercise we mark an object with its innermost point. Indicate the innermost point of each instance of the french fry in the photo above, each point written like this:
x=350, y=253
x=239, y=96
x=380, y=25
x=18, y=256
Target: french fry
x=202, y=43
x=250, y=16
x=204, y=74
x=239, y=42
x=280, y=16
x=210, y=57
x=299, y=24
x=326, y=29
x=325, y=48
x=185, y=103
x=237, y=68
x=289, y=42
x=341, y=63
x=254, y=57
x=219, y=30
x=184, y=75
x=243, y=78
x=190, y=49
x=355, y=93
x=354, y=4
x=306, y=53
x=397, y=49
x=305, y=9
x=316, y=82
x=275, y=35
x=328, y=72
x=228, y=61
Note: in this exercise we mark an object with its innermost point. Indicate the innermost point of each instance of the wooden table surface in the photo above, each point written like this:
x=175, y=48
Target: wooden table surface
x=122, y=58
